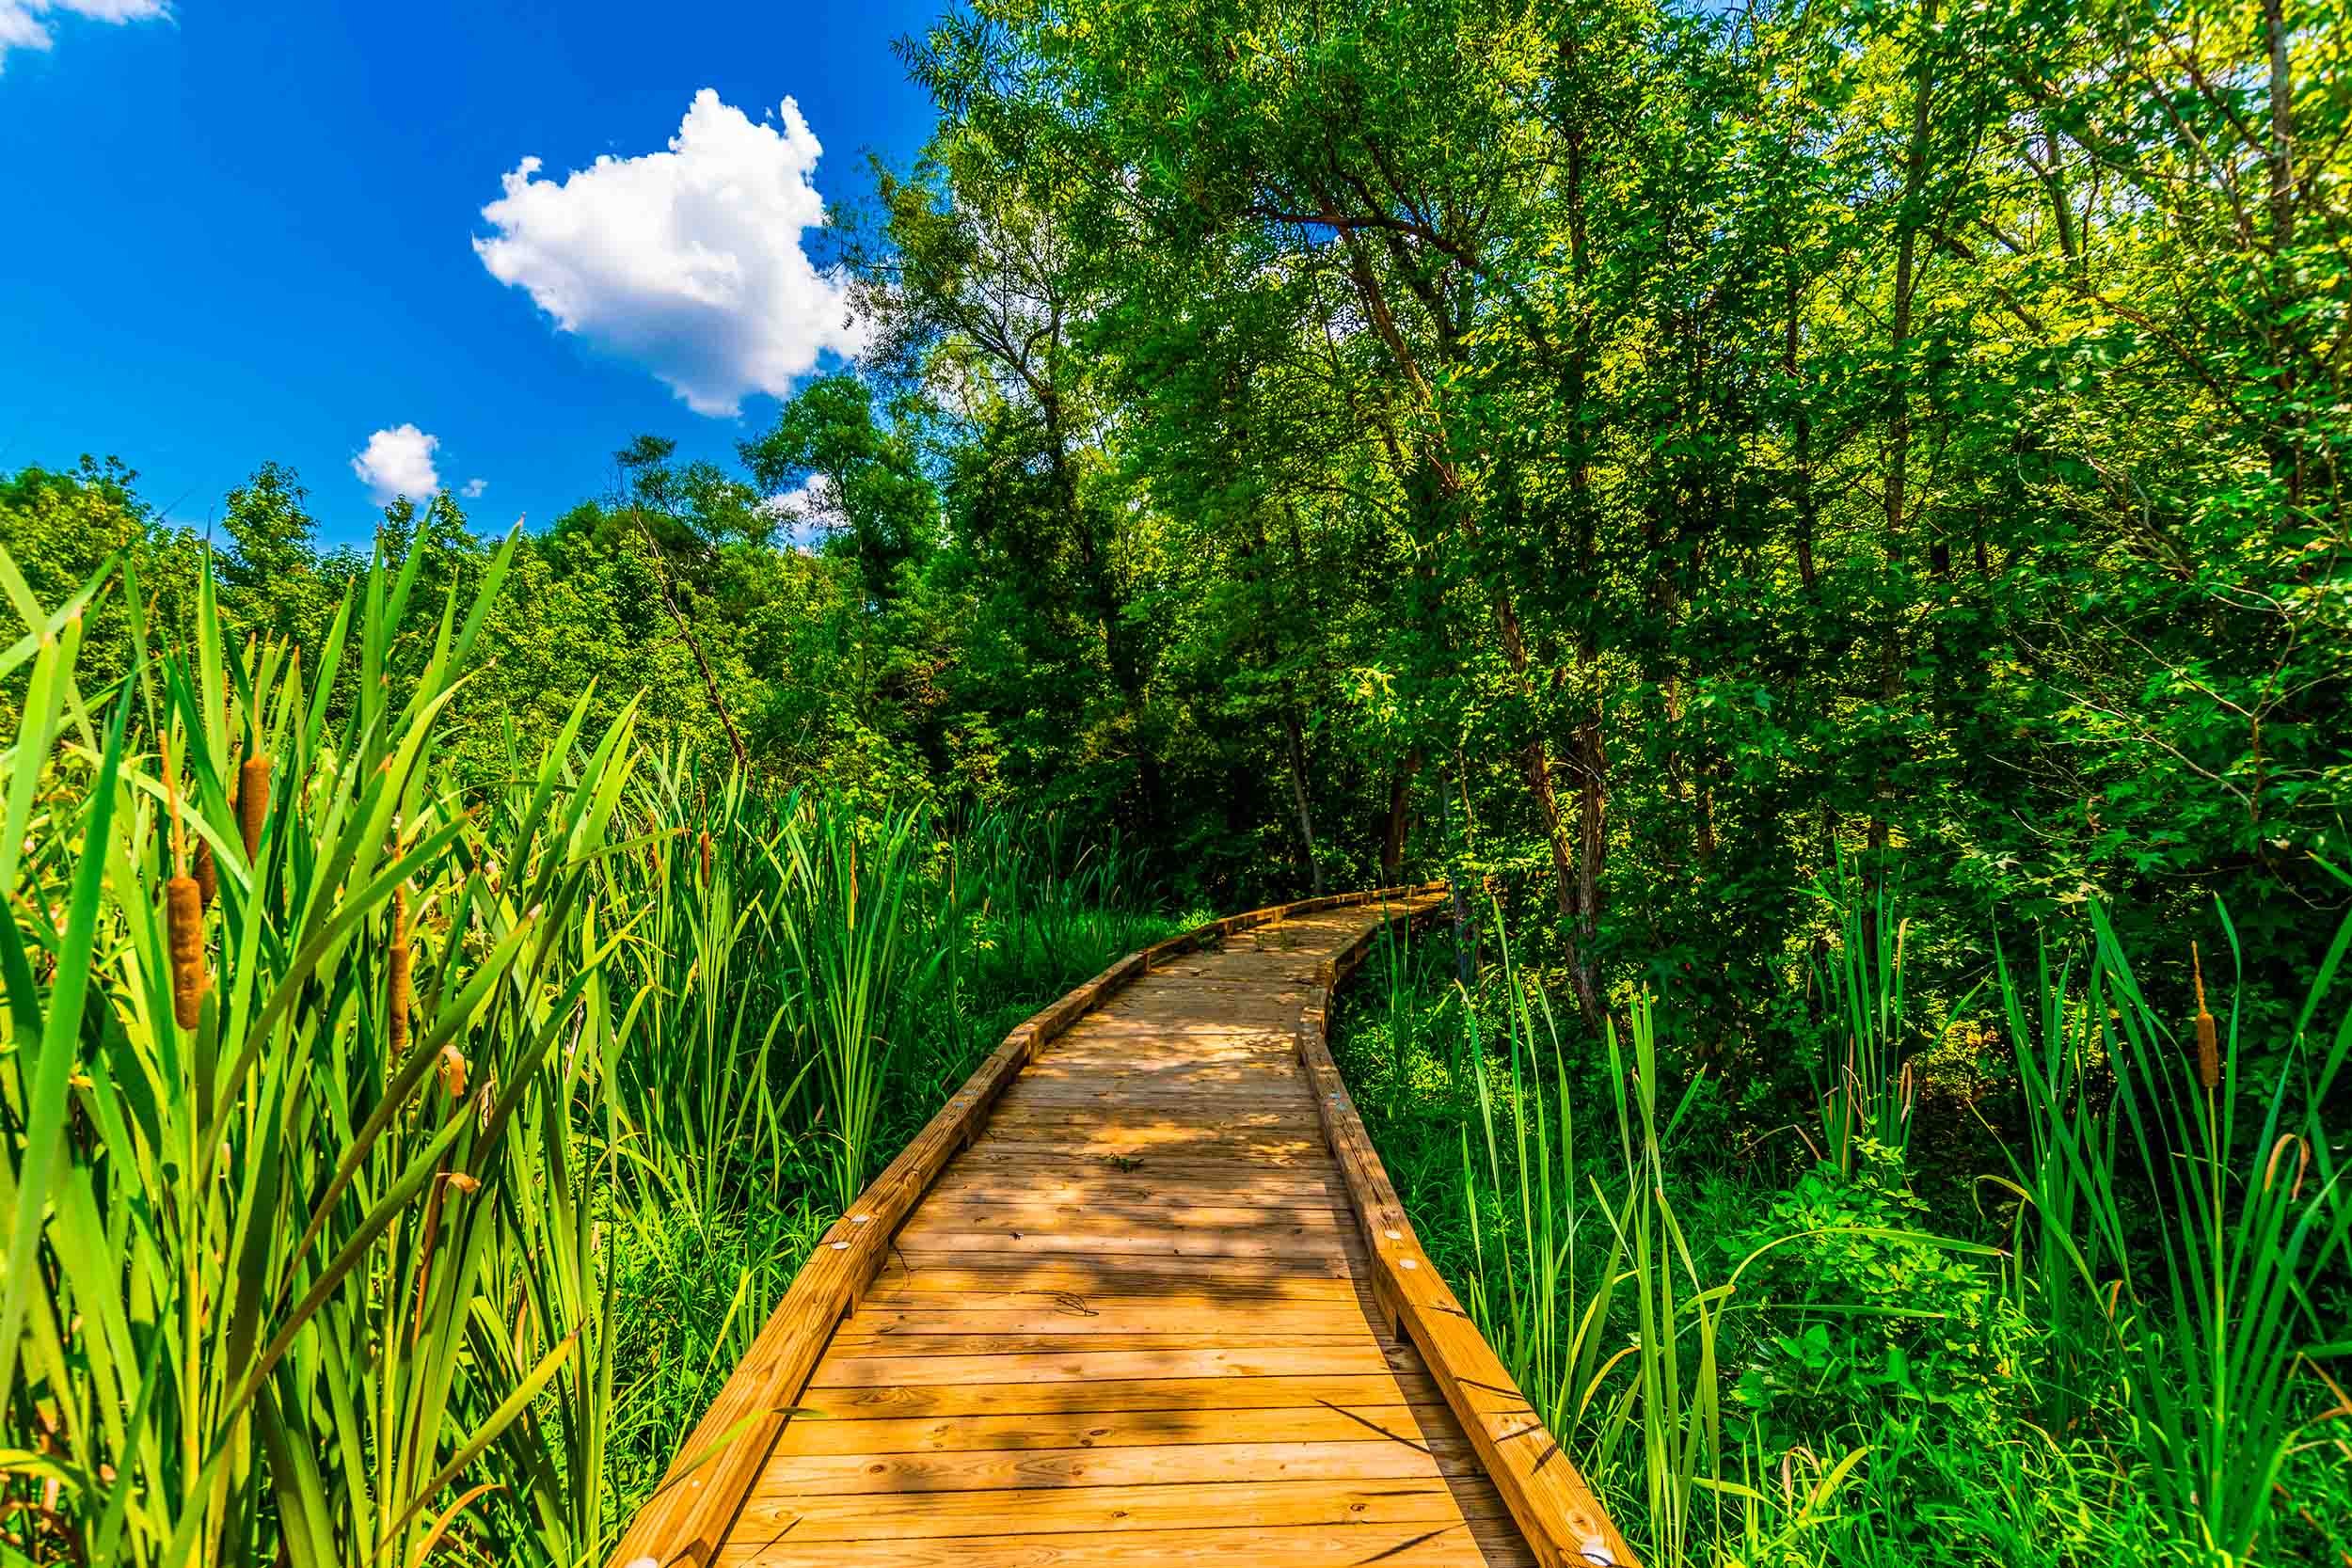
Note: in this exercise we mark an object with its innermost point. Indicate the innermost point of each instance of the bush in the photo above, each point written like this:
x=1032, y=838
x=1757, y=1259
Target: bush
x=1864, y=1311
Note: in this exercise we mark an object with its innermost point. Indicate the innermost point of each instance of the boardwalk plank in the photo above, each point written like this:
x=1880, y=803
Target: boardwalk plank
x=1215, y=1359
x=1066, y=1314
x=1130, y=1322
x=1111, y=1428
x=1366, y=1458
x=1111, y=1395
x=1419, y=1544
x=1060, y=1509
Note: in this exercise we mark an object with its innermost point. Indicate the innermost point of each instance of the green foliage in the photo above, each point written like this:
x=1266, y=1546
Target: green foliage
x=1874, y=1316
x=861, y=480
x=1654, y=459
x=1830, y=1367
x=2217, y=1319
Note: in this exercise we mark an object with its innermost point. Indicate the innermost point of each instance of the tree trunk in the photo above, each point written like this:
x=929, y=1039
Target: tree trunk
x=1118, y=652
x=1808, y=505
x=1298, y=749
x=2282, y=150
x=1593, y=787
x=1536, y=759
x=1898, y=425
x=2286, y=444
x=1392, y=830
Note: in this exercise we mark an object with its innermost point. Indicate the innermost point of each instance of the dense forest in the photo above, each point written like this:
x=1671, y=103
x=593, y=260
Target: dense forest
x=1626, y=450
x=1827, y=523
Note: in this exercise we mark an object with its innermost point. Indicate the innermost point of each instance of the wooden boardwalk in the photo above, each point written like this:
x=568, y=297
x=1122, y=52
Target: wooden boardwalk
x=1145, y=1309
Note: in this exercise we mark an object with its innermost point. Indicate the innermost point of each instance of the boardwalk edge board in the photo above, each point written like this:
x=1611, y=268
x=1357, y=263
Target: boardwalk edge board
x=688, y=1517
x=1563, y=1522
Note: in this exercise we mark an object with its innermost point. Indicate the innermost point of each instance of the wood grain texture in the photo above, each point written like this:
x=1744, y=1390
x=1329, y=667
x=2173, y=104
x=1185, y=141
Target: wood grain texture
x=1123, y=1301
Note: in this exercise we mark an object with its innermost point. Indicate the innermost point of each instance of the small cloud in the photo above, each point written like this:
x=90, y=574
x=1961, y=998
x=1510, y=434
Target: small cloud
x=807, y=514
x=24, y=24
x=689, y=260
x=473, y=488
x=399, y=462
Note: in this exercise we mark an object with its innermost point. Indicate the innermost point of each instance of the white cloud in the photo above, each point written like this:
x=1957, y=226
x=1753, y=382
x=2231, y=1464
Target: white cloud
x=399, y=462
x=807, y=513
x=473, y=488
x=689, y=262
x=23, y=23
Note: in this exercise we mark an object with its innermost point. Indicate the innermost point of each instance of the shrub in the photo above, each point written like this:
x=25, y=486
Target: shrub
x=1864, y=1309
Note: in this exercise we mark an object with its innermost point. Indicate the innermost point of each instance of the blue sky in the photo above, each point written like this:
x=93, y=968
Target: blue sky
x=247, y=231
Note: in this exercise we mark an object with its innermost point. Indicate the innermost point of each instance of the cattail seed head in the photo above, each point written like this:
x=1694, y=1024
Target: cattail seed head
x=2208, y=1037
x=183, y=915
x=252, y=801
x=706, y=846
x=399, y=966
x=207, y=874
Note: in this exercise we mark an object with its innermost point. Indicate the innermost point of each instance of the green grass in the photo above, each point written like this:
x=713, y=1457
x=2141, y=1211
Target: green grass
x=2122, y=1355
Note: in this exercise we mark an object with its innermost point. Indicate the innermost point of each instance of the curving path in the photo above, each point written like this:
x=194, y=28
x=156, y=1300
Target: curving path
x=1141, y=1308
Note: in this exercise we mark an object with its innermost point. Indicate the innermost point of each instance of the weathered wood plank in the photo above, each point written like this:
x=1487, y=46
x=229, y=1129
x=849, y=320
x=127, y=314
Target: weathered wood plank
x=924, y=1293
x=1413, y=1544
x=893, y=1400
x=1061, y=1183
x=1258, y=1341
x=1225, y=1271
x=1174, y=1208
x=790, y=1474
x=1285, y=1242
x=1046, y=1510
x=1068, y=1366
x=1095, y=1428
x=1100, y=1316
x=1112, y=1307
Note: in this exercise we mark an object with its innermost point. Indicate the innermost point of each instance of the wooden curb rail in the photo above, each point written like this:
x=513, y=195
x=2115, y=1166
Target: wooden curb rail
x=689, y=1516
x=1563, y=1522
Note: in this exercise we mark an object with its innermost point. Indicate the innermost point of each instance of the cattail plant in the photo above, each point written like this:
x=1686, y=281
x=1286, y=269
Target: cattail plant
x=2216, y=1327
x=183, y=913
x=2208, y=1035
x=287, y=1371
x=398, y=983
x=252, y=802
x=207, y=875
x=330, y=1291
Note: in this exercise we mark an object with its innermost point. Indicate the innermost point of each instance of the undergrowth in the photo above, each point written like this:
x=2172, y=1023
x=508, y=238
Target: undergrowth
x=1822, y=1357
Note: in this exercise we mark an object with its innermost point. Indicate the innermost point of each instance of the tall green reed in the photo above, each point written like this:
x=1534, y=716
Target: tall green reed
x=247, y=1254
x=2182, y=1220
x=1863, y=1084
x=332, y=1274
x=706, y=1081
x=846, y=920
x=1585, y=1279
x=1641, y=1397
